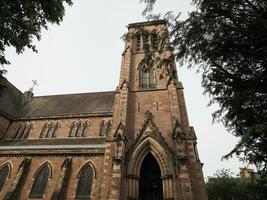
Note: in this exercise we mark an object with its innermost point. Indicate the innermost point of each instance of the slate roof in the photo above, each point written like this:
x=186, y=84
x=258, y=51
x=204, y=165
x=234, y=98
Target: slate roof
x=68, y=104
x=16, y=105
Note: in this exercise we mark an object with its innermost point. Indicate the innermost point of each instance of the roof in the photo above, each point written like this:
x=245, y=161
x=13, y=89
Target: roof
x=69, y=105
x=16, y=105
x=147, y=23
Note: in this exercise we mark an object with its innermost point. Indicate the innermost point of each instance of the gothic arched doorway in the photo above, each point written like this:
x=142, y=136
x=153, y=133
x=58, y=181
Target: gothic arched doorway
x=150, y=183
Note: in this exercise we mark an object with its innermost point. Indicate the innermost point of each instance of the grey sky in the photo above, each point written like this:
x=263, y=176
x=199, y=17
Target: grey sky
x=83, y=54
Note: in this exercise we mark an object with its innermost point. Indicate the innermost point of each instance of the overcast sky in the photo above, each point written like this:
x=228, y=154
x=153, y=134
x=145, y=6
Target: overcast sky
x=83, y=54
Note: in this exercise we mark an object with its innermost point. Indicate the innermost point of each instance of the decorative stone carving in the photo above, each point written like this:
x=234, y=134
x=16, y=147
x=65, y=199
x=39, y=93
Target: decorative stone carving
x=121, y=140
x=178, y=133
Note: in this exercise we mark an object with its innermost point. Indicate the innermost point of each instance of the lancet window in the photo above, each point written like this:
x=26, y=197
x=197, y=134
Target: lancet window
x=23, y=130
x=79, y=129
x=49, y=130
x=40, y=182
x=147, y=77
x=4, y=173
x=146, y=41
x=104, y=128
x=85, y=181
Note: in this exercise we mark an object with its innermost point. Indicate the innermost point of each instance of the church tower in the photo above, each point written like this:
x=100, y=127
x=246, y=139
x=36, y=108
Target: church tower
x=155, y=148
x=134, y=143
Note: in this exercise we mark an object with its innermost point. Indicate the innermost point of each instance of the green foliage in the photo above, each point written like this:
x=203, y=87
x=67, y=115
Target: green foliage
x=227, y=42
x=22, y=20
x=224, y=186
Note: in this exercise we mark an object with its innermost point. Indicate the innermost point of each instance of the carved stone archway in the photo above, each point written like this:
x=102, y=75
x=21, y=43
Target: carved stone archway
x=149, y=145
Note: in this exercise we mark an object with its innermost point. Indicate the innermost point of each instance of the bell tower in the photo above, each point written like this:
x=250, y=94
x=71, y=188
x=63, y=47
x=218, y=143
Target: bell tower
x=155, y=153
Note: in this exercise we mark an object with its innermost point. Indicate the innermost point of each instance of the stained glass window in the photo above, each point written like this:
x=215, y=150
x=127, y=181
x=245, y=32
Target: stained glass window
x=85, y=180
x=40, y=182
x=4, y=172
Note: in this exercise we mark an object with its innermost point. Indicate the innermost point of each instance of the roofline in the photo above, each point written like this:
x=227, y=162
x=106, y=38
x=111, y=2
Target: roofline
x=147, y=23
x=73, y=94
x=65, y=116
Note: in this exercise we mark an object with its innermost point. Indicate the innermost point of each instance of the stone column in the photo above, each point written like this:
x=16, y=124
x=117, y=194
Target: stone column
x=167, y=187
x=133, y=187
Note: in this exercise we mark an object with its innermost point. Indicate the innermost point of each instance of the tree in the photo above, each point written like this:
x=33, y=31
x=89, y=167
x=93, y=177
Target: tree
x=227, y=42
x=224, y=186
x=22, y=20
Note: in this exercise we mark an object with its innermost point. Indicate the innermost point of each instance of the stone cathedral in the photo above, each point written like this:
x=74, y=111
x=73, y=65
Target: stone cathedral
x=133, y=143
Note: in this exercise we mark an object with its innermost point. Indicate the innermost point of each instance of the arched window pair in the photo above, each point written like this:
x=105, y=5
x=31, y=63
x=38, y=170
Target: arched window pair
x=147, y=76
x=23, y=130
x=79, y=129
x=5, y=172
x=104, y=128
x=49, y=130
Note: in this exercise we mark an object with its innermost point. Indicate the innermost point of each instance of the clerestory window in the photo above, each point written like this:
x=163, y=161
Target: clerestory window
x=50, y=130
x=79, y=129
x=23, y=130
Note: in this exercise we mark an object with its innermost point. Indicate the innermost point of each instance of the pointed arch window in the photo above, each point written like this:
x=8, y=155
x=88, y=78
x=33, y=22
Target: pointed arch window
x=85, y=129
x=55, y=129
x=40, y=182
x=137, y=39
x=73, y=129
x=49, y=130
x=44, y=130
x=85, y=181
x=154, y=41
x=4, y=173
x=147, y=77
x=23, y=130
x=79, y=129
x=103, y=128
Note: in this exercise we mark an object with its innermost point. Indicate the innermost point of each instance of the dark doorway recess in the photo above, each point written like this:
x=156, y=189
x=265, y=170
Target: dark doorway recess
x=150, y=185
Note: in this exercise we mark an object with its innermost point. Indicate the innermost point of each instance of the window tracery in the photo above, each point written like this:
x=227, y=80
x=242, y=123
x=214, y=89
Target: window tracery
x=147, y=77
x=4, y=173
x=49, y=130
x=40, y=182
x=144, y=40
x=104, y=128
x=79, y=129
x=85, y=181
x=23, y=130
